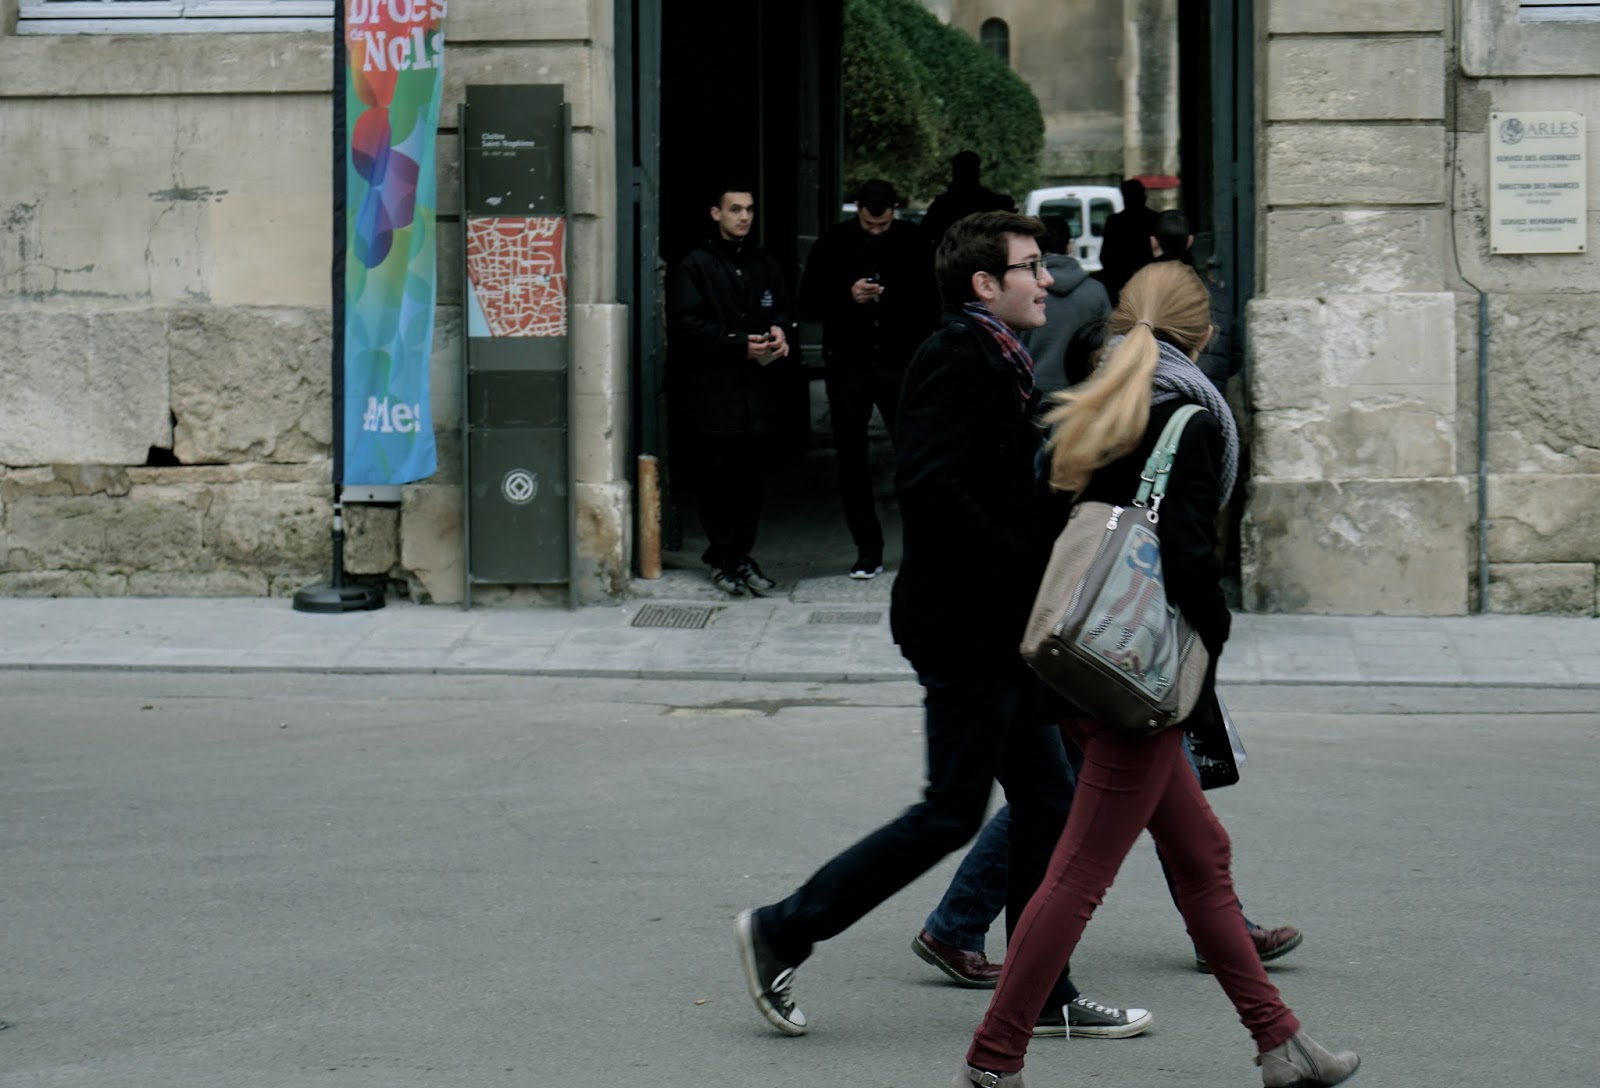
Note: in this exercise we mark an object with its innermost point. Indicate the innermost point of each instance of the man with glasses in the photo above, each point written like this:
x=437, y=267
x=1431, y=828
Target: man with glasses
x=964, y=479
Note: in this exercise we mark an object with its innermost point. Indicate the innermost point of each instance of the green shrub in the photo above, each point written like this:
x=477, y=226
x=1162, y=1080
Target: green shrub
x=917, y=91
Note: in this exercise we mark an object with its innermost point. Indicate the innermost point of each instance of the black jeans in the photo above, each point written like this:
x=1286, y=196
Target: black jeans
x=851, y=394
x=732, y=468
x=981, y=726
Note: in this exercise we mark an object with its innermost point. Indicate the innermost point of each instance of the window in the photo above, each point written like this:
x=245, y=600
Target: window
x=1530, y=38
x=995, y=36
x=1560, y=11
x=171, y=16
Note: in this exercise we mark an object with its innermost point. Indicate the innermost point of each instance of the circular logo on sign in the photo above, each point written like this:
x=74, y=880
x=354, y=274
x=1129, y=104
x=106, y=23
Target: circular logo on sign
x=519, y=487
x=1511, y=130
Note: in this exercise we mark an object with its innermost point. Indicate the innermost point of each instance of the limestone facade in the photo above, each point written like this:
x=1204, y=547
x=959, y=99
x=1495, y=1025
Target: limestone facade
x=164, y=330
x=1373, y=165
x=164, y=321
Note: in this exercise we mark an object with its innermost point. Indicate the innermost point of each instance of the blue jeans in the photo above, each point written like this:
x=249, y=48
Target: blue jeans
x=977, y=892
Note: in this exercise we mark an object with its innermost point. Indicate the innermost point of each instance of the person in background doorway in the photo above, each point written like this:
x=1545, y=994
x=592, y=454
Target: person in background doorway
x=1075, y=318
x=1173, y=241
x=869, y=281
x=965, y=196
x=730, y=321
x=1125, y=241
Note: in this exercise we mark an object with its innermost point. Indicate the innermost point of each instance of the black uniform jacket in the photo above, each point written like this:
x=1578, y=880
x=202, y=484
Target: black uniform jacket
x=964, y=479
x=881, y=334
x=719, y=294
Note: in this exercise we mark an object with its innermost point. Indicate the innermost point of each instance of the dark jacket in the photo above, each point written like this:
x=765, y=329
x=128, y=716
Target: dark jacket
x=1075, y=310
x=1125, y=247
x=876, y=335
x=964, y=480
x=1189, y=563
x=719, y=294
x=958, y=202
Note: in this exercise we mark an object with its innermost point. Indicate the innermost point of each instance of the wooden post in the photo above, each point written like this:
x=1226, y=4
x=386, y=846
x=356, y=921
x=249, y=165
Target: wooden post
x=649, y=518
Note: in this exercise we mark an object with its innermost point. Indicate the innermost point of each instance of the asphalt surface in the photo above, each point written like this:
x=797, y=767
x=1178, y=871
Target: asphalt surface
x=370, y=882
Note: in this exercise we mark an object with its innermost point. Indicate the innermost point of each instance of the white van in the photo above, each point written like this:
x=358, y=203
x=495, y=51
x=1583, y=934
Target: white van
x=1085, y=209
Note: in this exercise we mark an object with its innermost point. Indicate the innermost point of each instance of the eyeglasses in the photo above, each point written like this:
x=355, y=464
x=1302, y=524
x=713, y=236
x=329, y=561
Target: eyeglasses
x=1034, y=267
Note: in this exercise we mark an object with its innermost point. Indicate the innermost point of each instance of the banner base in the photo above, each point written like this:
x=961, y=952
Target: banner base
x=332, y=598
x=335, y=595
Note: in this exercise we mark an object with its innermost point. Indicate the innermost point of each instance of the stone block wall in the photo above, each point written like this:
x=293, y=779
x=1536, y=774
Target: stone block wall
x=1373, y=163
x=165, y=223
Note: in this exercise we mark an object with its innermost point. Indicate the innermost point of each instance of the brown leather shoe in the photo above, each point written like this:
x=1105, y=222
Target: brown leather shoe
x=963, y=968
x=1270, y=944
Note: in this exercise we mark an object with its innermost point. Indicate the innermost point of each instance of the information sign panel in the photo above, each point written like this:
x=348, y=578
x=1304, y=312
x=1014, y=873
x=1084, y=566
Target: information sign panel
x=1538, y=196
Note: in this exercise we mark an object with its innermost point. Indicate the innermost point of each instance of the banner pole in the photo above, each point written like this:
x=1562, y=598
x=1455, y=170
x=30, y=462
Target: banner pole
x=334, y=595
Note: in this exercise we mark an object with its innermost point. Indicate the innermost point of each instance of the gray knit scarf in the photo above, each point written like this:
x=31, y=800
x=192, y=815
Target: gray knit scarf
x=1178, y=378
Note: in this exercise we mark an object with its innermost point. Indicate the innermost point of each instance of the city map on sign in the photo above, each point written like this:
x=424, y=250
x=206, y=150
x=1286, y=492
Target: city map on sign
x=516, y=266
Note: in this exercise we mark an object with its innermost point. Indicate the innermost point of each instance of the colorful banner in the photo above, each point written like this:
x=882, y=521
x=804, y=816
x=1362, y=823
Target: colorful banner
x=395, y=56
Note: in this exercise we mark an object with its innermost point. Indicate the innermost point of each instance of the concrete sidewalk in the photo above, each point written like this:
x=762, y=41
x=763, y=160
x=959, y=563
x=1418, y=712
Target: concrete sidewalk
x=825, y=630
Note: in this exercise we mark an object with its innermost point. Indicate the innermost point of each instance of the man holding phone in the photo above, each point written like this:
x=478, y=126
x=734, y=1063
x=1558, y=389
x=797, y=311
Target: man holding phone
x=729, y=319
x=869, y=280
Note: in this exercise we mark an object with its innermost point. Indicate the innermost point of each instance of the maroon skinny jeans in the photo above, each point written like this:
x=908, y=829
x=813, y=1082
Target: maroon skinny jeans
x=1126, y=786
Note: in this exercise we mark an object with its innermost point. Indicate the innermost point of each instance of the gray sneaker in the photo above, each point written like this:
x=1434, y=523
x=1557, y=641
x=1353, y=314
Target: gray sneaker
x=768, y=978
x=755, y=580
x=728, y=581
x=1086, y=1019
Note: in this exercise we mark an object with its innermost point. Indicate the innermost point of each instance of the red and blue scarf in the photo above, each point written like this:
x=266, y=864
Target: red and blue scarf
x=1009, y=345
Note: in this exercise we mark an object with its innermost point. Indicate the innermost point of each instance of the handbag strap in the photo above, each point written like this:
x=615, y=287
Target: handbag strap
x=1153, y=480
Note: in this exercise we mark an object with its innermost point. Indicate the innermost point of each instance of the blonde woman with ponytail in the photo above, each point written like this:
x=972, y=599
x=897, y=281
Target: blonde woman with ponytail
x=1102, y=432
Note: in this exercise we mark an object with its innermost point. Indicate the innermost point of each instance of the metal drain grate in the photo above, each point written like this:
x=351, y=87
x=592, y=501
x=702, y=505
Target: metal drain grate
x=864, y=619
x=687, y=616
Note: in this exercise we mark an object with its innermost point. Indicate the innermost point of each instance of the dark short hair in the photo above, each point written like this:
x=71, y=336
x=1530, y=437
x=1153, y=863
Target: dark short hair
x=1172, y=234
x=1133, y=194
x=977, y=243
x=730, y=185
x=877, y=196
x=1058, y=234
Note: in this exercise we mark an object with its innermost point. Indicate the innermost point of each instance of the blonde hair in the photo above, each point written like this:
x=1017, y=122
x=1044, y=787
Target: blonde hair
x=1104, y=418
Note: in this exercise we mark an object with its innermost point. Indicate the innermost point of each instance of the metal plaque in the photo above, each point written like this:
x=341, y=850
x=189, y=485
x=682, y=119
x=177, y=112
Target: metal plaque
x=1538, y=196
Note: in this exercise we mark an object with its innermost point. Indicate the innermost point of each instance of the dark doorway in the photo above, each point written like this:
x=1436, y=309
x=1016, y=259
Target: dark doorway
x=752, y=90
x=721, y=92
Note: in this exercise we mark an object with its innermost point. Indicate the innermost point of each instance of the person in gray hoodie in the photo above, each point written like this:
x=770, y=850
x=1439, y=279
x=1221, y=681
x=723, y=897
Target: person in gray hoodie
x=1075, y=313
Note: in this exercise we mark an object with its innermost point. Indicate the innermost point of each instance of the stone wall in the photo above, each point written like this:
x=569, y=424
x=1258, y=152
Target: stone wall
x=164, y=318
x=1364, y=339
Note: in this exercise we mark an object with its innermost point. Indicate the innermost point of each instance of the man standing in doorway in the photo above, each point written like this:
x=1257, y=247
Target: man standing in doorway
x=966, y=195
x=1174, y=241
x=1125, y=239
x=964, y=478
x=729, y=320
x=869, y=281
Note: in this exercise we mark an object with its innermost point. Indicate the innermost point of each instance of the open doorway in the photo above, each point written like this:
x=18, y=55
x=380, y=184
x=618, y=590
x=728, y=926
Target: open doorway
x=720, y=89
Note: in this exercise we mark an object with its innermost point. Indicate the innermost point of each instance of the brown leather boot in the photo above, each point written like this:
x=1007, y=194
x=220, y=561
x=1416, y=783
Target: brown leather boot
x=968, y=1077
x=1303, y=1062
x=963, y=968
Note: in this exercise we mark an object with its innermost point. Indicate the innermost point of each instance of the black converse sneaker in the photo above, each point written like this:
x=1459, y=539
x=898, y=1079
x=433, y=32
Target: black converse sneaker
x=768, y=977
x=866, y=566
x=728, y=580
x=754, y=579
x=1086, y=1019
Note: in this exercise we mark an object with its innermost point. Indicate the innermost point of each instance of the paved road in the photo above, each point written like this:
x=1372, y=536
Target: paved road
x=377, y=882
